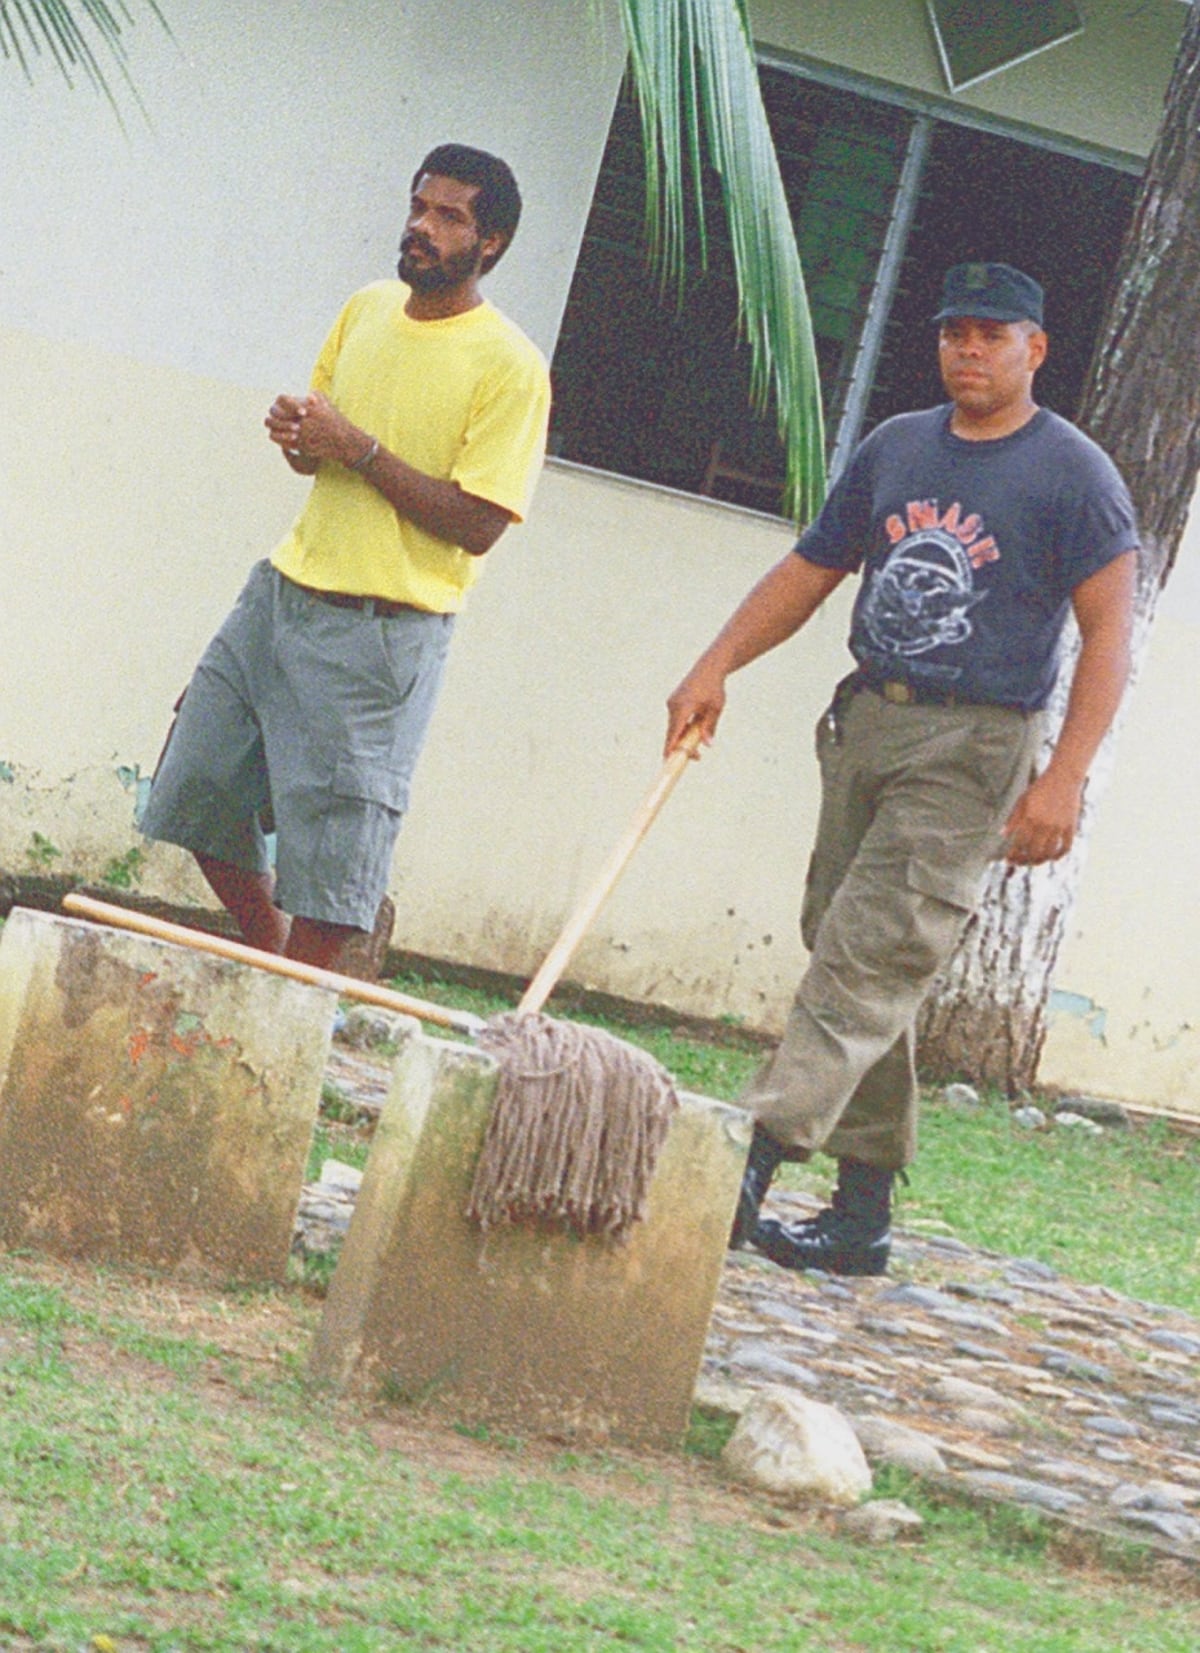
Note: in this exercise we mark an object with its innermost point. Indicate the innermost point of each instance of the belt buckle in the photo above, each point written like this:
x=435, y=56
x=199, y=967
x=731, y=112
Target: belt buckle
x=899, y=694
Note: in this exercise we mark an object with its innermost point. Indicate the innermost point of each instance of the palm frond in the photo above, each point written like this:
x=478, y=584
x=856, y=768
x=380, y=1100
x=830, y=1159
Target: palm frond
x=694, y=72
x=63, y=32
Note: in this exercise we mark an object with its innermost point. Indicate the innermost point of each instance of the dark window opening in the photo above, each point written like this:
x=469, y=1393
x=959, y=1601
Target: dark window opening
x=658, y=390
x=1060, y=219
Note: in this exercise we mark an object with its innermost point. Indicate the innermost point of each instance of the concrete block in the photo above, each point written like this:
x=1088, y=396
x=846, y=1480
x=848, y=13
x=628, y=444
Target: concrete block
x=156, y=1104
x=530, y=1330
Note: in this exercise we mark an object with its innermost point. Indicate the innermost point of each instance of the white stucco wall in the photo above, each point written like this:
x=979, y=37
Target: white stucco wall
x=157, y=289
x=273, y=178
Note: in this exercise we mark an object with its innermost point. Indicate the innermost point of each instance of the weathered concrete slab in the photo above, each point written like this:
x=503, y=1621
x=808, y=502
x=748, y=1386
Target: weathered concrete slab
x=529, y=1330
x=156, y=1104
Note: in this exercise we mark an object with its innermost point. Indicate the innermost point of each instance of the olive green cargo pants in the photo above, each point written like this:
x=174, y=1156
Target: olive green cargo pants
x=913, y=801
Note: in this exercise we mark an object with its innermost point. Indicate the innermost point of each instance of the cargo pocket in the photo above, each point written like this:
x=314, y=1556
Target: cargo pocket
x=365, y=780
x=941, y=900
x=358, y=834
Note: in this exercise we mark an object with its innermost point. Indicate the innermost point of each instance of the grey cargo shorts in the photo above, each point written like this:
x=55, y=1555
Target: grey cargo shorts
x=307, y=720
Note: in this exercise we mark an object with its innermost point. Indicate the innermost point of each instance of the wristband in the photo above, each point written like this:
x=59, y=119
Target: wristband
x=371, y=454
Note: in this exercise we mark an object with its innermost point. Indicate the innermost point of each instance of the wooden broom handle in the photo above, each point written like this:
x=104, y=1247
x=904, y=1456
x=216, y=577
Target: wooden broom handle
x=385, y=998
x=559, y=956
x=350, y=987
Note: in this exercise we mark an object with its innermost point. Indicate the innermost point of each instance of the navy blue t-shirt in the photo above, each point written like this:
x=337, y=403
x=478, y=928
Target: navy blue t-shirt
x=970, y=550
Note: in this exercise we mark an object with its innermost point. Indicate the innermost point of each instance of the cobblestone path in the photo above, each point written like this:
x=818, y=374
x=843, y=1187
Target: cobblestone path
x=987, y=1374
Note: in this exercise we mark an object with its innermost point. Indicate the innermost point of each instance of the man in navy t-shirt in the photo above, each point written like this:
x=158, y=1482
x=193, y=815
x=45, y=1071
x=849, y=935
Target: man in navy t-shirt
x=976, y=528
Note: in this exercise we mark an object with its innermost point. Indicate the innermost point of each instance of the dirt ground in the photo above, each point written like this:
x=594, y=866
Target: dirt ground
x=263, y=1333
x=253, y=1335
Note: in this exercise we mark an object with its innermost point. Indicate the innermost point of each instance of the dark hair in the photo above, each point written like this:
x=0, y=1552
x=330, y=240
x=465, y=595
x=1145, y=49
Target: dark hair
x=498, y=204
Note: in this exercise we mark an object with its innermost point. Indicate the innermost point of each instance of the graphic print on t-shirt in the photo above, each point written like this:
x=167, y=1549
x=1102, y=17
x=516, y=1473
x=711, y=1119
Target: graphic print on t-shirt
x=922, y=596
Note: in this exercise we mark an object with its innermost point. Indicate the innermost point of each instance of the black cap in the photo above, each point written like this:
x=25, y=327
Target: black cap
x=993, y=292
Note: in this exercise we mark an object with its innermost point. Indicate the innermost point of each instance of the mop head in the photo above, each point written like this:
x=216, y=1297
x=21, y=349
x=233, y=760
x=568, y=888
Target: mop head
x=576, y=1126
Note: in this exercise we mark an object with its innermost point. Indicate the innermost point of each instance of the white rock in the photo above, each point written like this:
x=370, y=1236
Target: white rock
x=1032, y=1118
x=881, y=1521
x=984, y=1420
x=885, y=1442
x=961, y=1392
x=1076, y=1121
x=335, y=1174
x=961, y=1096
x=787, y=1444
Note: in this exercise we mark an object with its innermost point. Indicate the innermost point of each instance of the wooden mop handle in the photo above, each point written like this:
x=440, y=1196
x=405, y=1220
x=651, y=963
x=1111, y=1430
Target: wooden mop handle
x=559, y=956
x=350, y=987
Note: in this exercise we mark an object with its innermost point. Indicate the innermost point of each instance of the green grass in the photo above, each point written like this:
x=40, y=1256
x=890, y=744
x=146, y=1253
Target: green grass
x=46, y=1316
x=147, y=1502
x=1118, y=1209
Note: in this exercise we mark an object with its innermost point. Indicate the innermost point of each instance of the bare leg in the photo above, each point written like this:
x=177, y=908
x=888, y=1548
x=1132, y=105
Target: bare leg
x=313, y=942
x=337, y=947
x=248, y=896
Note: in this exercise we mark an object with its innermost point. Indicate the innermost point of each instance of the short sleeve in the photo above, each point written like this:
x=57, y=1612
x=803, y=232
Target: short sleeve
x=840, y=535
x=322, y=373
x=1097, y=522
x=505, y=438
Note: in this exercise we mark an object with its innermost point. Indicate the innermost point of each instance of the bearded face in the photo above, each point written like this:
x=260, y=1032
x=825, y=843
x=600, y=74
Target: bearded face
x=427, y=271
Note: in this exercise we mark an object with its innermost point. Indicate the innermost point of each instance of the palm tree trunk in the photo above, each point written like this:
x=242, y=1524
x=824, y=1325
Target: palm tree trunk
x=986, y=1015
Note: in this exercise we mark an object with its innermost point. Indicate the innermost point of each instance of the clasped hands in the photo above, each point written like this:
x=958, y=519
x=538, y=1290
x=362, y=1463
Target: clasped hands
x=310, y=426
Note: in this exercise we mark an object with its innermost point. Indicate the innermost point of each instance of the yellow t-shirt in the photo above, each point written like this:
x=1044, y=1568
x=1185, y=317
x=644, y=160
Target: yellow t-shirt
x=466, y=400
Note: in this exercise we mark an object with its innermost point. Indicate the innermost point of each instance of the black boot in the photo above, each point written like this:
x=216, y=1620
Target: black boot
x=851, y=1236
x=763, y=1161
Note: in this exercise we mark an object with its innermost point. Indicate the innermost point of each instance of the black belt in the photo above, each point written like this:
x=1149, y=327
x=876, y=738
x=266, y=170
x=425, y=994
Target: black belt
x=900, y=693
x=373, y=607
x=912, y=694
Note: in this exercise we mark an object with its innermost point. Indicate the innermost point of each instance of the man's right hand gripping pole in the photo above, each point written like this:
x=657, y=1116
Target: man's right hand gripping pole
x=695, y=708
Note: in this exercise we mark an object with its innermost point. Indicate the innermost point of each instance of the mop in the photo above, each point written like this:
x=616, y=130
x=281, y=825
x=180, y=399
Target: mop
x=578, y=1117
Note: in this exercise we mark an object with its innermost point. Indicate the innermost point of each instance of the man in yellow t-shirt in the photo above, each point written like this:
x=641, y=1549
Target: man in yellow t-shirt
x=423, y=431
